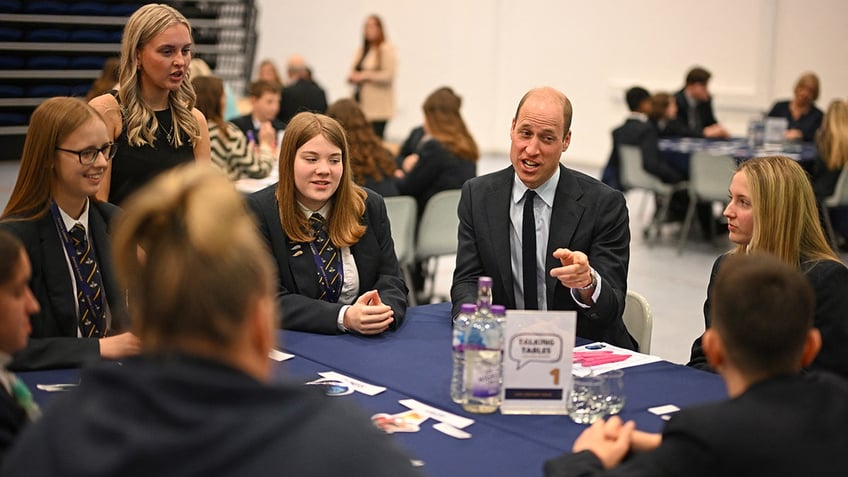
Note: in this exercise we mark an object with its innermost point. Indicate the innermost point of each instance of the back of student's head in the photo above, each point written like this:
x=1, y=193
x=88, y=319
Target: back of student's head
x=210, y=90
x=190, y=256
x=368, y=157
x=635, y=96
x=49, y=126
x=762, y=309
x=444, y=122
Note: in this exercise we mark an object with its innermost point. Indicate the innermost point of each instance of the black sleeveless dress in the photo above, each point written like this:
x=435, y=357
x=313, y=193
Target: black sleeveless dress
x=133, y=167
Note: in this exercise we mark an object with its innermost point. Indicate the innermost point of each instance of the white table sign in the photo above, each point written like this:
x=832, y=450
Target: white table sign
x=537, y=361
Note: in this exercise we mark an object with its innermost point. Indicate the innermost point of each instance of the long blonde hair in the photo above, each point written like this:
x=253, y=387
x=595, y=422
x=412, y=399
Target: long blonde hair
x=190, y=255
x=832, y=137
x=786, y=220
x=51, y=123
x=139, y=120
x=345, y=227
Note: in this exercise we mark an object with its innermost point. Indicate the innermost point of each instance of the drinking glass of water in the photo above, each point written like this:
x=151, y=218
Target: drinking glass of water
x=615, y=390
x=586, y=401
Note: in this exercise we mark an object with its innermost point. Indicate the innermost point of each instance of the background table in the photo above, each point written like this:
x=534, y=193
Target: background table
x=677, y=151
x=415, y=362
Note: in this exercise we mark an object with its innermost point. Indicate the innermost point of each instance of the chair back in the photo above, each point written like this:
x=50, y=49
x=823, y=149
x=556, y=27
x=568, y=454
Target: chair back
x=632, y=172
x=402, y=211
x=638, y=320
x=839, y=197
x=437, y=229
x=710, y=176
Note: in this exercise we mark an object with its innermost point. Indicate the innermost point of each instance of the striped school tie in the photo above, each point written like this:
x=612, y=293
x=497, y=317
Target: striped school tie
x=92, y=323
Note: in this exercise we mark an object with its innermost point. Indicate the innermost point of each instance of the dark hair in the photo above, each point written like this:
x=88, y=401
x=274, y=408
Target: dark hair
x=635, y=96
x=10, y=253
x=260, y=87
x=698, y=75
x=210, y=90
x=368, y=157
x=762, y=309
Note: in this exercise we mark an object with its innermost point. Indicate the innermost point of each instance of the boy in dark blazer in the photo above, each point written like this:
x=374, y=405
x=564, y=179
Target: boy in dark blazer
x=777, y=422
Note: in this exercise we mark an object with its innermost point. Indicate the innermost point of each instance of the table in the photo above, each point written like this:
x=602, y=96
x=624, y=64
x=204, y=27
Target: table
x=415, y=362
x=678, y=150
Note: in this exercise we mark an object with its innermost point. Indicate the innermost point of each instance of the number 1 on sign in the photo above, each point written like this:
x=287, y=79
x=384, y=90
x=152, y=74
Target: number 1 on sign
x=555, y=373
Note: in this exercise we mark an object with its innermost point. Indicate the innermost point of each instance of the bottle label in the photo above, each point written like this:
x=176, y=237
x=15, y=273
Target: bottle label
x=483, y=373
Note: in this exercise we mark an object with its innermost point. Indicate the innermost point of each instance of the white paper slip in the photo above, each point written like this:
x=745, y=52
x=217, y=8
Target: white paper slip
x=357, y=385
x=458, y=422
x=448, y=429
x=278, y=355
x=666, y=409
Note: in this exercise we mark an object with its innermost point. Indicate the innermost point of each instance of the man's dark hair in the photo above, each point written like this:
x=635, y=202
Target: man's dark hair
x=763, y=310
x=635, y=96
x=698, y=75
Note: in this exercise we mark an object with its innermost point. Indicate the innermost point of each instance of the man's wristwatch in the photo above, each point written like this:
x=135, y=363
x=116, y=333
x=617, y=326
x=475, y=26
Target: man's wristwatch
x=591, y=284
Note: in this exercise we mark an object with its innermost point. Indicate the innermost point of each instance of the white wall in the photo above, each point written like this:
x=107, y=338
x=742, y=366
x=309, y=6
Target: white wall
x=492, y=51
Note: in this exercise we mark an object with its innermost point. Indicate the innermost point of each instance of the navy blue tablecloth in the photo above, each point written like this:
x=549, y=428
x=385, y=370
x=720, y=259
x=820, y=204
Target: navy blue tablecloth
x=415, y=362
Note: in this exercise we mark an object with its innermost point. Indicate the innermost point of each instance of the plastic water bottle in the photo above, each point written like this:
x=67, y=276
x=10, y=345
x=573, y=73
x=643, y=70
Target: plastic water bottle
x=460, y=328
x=483, y=355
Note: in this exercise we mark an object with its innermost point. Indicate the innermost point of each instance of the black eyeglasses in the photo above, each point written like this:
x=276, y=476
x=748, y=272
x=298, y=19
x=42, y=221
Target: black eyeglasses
x=89, y=155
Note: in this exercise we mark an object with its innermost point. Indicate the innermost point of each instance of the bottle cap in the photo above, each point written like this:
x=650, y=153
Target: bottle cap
x=468, y=308
x=499, y=310
x=484, y=281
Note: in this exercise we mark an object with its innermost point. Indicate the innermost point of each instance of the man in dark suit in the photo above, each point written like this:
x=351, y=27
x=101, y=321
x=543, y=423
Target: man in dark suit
x=637, y=131
x=302, y=93
x=577, y=240
x=695, y=107
x=777, y=422
x=55, y=340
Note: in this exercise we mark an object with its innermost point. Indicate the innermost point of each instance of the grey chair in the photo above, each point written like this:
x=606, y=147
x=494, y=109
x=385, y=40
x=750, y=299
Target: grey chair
x=638, y=319
x=634, y=176
x=437, y=236
x=839, y=198
x=403, y=211
x=709, y=181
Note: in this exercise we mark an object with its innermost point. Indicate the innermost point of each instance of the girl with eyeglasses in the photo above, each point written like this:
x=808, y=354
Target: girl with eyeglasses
x=54, y=212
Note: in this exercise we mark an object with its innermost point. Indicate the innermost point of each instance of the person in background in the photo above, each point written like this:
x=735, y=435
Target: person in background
x=371, y=164
x=447, y=155
x=801, y=112
x=373, y=74
x=551, y=237
x=772, y=210
x=231, y=151
x=264, y=98
x=152, y=117
x=695, y=107
x=267, y=71
x=197, y=68
x=331, y=239
x=832, y=145
x=663, y=116
x=203, y=387
x=17, y=305
x=66, y=231
x=107, y=80
x=301, y=93
x=762, y=337
x=637, y=131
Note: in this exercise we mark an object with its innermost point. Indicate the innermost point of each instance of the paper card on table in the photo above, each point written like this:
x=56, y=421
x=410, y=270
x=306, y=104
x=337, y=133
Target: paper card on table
x=666, y=409
x=458, y=422
x=278, y=355
x=602, y=357
x=357, y=385
x=537, y=361
x=448, y=429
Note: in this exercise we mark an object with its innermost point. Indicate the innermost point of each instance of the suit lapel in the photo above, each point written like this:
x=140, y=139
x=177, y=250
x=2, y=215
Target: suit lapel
x=57, y=276
x=499, y=196
x=565, y=217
